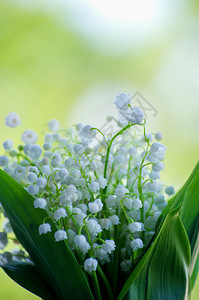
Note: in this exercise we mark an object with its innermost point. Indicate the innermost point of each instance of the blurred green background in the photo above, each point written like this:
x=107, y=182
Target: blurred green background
x=68, y=59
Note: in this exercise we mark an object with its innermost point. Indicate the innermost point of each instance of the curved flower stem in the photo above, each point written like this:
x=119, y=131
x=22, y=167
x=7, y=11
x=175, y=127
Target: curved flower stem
x=94, y=128
x=148, y=211
x=110, y=144
x=26, y=158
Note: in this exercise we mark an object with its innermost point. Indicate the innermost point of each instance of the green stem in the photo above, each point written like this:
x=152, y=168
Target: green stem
x=108, y=153
x=94, y=128
x=140, y=191
x=124, y=210
x=71, y=216
x=106, y=283
x=147, y=180
x=147, y=164
x=116, y=261
x=110, y=144
x=151, y=204
x=25, y=157
x=96, y=286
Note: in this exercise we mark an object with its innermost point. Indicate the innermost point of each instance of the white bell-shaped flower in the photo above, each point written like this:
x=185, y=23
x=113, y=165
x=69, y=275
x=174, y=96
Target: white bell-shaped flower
x=8, y=144
x=40, y=203
x=81, y=243
x=53, y=125
x=41, y=182
x=111, y=201
x=90, y=265
x=158, y=150
x=32, y=177
x=29, y=137
x=158, y=166
x=78, y=149
x=44, y=228
x=137, y=204
x=94, y=186
x=122, y=101
x=93, y=227
x=60, y=213
x=136, y=244
x=108, y=246
x=105, y=223
x=121, y=191
x=33, y=189
x=102, y=182
x=60, y=235
x=114, y=220
x=170, y=190
x=3, y=160
x=134, y=227
x=35, y=151
x=136, y=116
x=12, y=120
x=56, y=160
x=158, y=136
x=93, y=207
x=86, y=132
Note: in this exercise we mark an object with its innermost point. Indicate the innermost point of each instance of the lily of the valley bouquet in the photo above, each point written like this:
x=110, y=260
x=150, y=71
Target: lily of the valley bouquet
x=89, y=217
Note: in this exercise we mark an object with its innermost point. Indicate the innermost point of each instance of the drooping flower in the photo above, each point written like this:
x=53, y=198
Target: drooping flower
x=44, y=228
x=158, y=136
x=12, y=120
x=40, y=203
x=136, y=226
x=170, y=190
x=136, y=244
x=8, y=144
x=86, y=132
x=29, y=137
x=109, y=246
x=90, y=265
x=3, y=160
x=60, y=213
x=60, y=235
x=53, y=125
x=158, y=150
x=82, y=244
x=122, y=101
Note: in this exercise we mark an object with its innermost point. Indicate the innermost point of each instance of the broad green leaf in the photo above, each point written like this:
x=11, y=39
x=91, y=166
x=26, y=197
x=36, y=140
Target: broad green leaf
x=27, y=276
x=53, y=260
x=188, y=196
x=162, y=273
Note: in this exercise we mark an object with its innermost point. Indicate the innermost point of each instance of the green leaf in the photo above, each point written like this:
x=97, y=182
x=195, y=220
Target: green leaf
x=162, y=273
x=54, y=261
x=188, y=196
x=27, y=276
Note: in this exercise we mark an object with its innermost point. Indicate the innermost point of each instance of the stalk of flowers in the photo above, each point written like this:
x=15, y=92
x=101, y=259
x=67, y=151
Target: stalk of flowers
x=100, y=191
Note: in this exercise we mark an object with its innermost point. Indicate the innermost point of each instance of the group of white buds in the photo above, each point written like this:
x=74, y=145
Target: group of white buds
x=101, y=190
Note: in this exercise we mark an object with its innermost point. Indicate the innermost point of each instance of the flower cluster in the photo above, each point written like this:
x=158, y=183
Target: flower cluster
x=102, y=191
